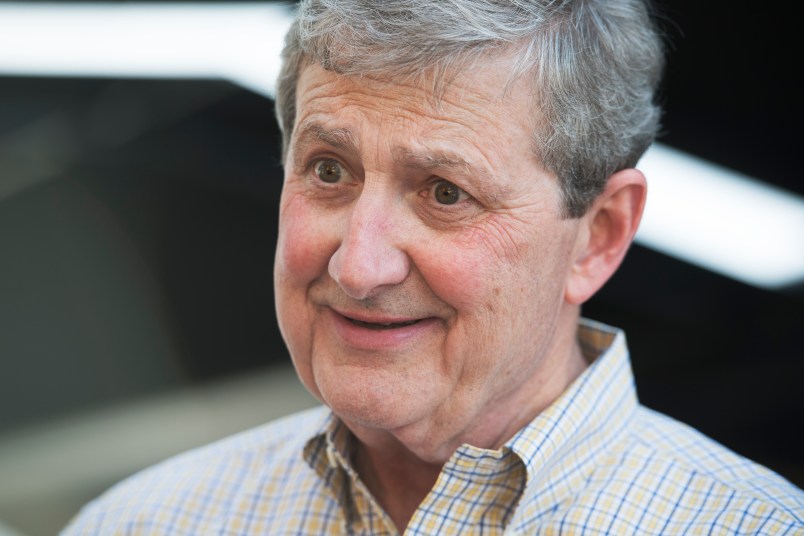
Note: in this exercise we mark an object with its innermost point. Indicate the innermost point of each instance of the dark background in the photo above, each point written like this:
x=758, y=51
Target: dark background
x=138, y=224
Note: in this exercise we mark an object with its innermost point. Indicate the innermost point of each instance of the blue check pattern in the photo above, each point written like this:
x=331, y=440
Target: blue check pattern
x=594, y=462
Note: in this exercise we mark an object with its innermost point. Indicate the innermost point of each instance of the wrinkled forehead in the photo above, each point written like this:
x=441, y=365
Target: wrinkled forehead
x=479, y=95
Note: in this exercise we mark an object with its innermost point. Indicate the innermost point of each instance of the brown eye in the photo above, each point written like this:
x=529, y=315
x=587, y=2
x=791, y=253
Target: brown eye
x=447, y=193
x=329, y=171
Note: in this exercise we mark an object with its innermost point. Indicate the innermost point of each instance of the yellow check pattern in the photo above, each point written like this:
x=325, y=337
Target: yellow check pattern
x=594, y=462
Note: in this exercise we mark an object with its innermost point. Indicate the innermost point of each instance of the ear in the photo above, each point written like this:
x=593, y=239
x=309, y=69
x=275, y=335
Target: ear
x=605, y=234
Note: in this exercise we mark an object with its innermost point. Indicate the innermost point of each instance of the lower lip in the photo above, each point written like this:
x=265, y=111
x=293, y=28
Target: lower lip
x=361, y=337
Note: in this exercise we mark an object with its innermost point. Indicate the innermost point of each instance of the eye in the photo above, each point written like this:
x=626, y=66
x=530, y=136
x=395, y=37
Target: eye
x=329, y=170
x=447, y=193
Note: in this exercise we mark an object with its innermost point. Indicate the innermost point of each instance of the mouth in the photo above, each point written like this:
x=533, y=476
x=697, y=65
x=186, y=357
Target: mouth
x=377, y=322
x=381, y=331
x=381, y=325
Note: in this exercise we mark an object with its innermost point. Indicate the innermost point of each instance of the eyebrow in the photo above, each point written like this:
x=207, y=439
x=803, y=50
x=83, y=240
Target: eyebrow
x=433, y=160
x=339, y=138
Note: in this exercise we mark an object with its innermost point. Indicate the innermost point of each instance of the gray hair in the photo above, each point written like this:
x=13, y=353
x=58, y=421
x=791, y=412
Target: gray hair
x=595, y=66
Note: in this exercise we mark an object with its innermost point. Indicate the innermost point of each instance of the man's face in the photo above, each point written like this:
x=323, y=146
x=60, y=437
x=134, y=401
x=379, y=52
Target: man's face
x=422, y=255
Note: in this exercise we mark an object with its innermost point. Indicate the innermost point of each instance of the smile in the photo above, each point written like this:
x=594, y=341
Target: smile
x=380, y=332
x=381, y=325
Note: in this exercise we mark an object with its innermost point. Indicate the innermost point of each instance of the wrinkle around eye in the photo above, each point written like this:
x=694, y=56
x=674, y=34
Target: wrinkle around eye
x=311, y=172
x=440, y=215
x=305, y=180
x=431, y=192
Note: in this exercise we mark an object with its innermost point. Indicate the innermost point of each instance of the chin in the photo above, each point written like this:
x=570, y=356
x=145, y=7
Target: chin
x=372, y=403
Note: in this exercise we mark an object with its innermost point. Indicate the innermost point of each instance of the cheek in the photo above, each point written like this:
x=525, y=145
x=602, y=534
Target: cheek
x=501, y=276
x=459, y=276
x=303, y=247
x=478, y=268
x=301, y=258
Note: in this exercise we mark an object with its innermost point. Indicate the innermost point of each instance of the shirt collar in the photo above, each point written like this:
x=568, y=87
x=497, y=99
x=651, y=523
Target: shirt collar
x=592, y=412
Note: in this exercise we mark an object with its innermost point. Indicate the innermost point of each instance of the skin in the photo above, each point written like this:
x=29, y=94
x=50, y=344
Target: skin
x=483, y=294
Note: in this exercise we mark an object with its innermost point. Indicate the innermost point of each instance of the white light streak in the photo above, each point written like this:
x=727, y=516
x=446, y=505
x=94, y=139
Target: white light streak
x=720, y=220
x=234, y=41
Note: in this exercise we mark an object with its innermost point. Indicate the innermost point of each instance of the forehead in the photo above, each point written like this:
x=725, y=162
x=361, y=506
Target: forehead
x=480, y=97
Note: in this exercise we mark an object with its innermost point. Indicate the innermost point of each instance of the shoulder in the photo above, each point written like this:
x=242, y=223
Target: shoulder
x=201, y=489
x=680, y=481
x=685, y=446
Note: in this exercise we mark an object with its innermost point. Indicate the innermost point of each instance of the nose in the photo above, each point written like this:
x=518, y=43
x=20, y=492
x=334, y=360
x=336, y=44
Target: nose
x=369, y=256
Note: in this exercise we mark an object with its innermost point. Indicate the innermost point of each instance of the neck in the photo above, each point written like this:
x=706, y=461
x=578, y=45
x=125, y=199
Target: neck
x=397, y=479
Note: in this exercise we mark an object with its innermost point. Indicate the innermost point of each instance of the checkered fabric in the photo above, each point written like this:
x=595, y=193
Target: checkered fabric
x=594, y=462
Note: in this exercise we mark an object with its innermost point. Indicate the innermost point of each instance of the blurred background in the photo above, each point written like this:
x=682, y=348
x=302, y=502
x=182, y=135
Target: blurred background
x=139, y=182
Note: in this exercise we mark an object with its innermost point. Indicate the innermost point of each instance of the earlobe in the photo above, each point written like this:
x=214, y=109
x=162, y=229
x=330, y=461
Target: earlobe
x=606, y=233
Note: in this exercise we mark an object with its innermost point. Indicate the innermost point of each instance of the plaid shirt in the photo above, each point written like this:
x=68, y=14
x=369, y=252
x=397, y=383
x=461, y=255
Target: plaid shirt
x=594, y=462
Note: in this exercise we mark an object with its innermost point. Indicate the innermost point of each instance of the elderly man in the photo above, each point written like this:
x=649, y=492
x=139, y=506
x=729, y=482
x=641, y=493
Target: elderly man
x=459, y=179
